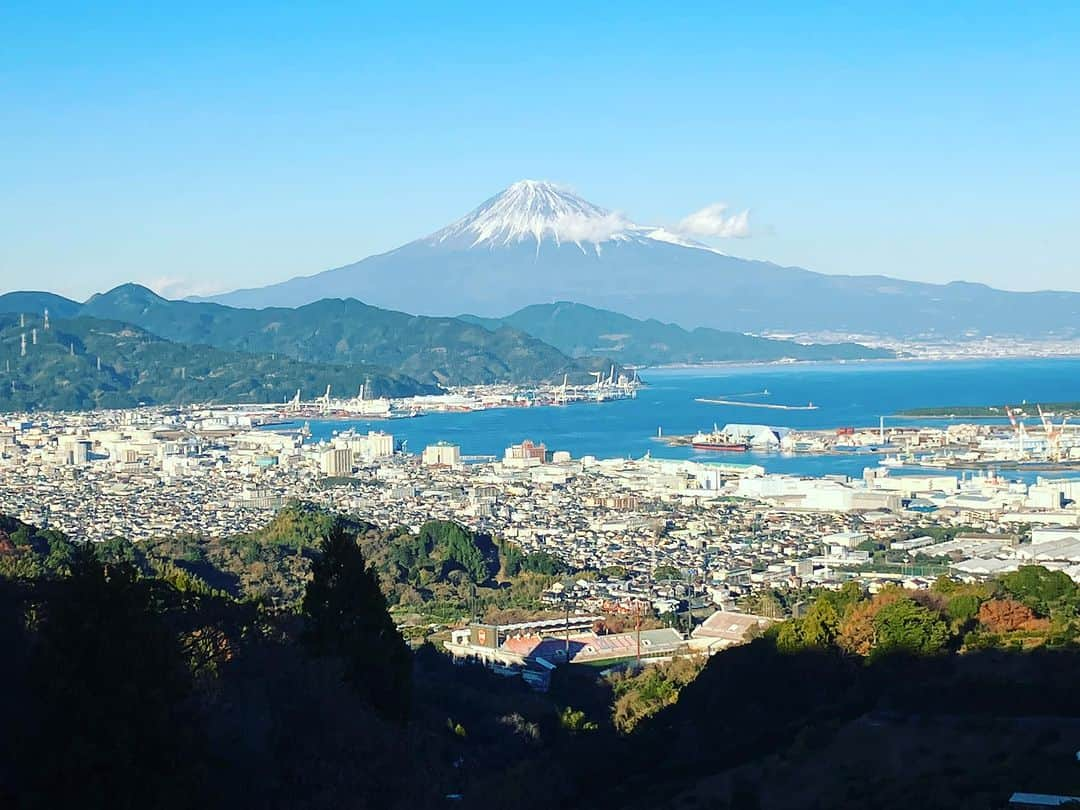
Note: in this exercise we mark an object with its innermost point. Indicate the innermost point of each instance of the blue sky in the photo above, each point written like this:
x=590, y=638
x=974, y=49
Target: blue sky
x=199, y=148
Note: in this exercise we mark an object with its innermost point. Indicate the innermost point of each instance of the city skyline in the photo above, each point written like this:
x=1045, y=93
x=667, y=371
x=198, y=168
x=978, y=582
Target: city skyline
x=229, y=149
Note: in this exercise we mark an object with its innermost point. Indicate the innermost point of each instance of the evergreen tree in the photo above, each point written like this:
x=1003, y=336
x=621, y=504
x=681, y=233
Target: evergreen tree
x=346, y=616
x=908, y=627
x=108, y=679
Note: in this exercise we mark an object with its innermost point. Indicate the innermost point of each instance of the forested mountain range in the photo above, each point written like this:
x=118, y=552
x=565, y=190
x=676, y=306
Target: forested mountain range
x=86, y=363
x=577, y=329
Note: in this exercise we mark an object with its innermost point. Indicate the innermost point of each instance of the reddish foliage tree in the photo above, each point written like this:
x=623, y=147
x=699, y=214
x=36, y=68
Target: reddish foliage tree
x=1007, y=615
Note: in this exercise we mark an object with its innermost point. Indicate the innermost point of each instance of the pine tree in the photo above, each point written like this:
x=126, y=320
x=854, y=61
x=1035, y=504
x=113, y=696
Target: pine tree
x=346, y=617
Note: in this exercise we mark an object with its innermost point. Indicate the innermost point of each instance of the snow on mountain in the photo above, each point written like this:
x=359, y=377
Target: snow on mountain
x=537, y=211
x=537, y=242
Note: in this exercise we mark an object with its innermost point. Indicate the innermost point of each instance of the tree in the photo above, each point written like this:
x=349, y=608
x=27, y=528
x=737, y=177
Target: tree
x=1042, y=590
x=857, y=632
x=788, y=637
x=541, y=562
x=665, y=572
x=906, y=626
x=850, y=594
x=574, y=721
x=120, y=550
x=108, y=682
x=963, y=607
x=346, y=617
x=1007, y=615
x=457, y=546
x=821, y=624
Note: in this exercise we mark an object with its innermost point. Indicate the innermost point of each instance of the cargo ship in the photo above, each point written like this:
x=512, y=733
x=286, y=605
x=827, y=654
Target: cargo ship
x=718, y=440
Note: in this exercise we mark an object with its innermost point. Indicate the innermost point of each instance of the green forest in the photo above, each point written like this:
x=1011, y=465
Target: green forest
x=435, y=351
x=85, y=364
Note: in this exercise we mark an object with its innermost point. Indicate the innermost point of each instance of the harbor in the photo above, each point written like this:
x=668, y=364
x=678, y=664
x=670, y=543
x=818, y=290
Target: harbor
x=970, y=446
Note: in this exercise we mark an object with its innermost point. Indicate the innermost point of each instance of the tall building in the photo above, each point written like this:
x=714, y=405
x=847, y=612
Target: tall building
x=73, y=450
x=441, y=454
x=336, y=462
x=377, y=444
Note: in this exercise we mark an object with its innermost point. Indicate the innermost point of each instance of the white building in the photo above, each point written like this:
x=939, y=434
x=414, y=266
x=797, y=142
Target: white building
x=376, y=444
x=441, y=454
x=336, y=462
x=73, y=450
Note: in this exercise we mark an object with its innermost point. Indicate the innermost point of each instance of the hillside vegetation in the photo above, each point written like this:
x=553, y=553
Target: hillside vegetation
x=444, y=351
x=61, y=371
x=577, y=330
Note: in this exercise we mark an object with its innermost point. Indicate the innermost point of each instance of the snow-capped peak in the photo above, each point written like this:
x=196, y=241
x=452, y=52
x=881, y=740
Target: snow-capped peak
x=534, y=210
x=537, y=211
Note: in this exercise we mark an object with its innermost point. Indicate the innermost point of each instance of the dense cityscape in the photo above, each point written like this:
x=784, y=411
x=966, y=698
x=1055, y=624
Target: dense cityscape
x=727, y=528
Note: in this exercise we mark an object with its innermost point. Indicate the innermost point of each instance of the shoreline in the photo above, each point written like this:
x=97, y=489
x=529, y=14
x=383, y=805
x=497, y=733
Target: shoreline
x=756, y=364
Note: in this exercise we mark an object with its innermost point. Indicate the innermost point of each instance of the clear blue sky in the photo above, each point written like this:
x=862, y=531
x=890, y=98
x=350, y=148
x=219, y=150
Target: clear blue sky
x=225, y=148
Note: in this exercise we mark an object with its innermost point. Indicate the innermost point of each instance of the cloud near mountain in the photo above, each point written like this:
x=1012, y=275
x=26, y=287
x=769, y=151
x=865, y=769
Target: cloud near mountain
x=713, y=220
x=174, y=287
x=576, y=227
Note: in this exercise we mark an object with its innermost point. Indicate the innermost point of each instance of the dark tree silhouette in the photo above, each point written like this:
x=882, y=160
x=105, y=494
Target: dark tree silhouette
x=346, y=616
x=107, y=685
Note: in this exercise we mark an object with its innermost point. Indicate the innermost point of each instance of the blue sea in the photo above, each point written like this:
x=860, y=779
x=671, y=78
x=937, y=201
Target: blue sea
x=847, y=394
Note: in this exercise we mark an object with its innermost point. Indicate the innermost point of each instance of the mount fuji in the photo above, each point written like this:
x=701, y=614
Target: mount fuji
x=538, y=242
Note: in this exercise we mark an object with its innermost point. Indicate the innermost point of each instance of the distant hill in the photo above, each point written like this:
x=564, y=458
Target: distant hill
x=577, y=329
x=61, y=372
x=443, y=351
x=30, y=301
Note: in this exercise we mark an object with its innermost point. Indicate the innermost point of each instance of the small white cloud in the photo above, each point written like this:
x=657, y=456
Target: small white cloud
x=713, y=220
x=582, y=228
x=172, y=287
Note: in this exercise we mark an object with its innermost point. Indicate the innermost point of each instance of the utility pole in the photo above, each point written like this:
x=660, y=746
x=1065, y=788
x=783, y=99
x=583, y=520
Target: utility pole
x=689, y=604
x=638, y=610
x=567, y=653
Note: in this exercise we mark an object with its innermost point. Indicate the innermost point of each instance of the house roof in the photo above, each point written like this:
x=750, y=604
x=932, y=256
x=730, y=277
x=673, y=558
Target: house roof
x=728, y=625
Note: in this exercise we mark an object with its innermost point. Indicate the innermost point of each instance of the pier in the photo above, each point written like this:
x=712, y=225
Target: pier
x=810, y=406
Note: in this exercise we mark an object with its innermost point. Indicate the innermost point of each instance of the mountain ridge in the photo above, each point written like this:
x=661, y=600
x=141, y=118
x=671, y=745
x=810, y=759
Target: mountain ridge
x=577, y=329
x=88, y=363
x=440, y=351
x=646, y=272
x=436, y=350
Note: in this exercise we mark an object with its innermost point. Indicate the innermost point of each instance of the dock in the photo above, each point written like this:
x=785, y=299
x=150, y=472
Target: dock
x=810, y=406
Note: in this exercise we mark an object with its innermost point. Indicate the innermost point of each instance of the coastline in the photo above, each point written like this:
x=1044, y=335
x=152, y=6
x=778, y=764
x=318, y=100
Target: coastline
x=775, y=364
